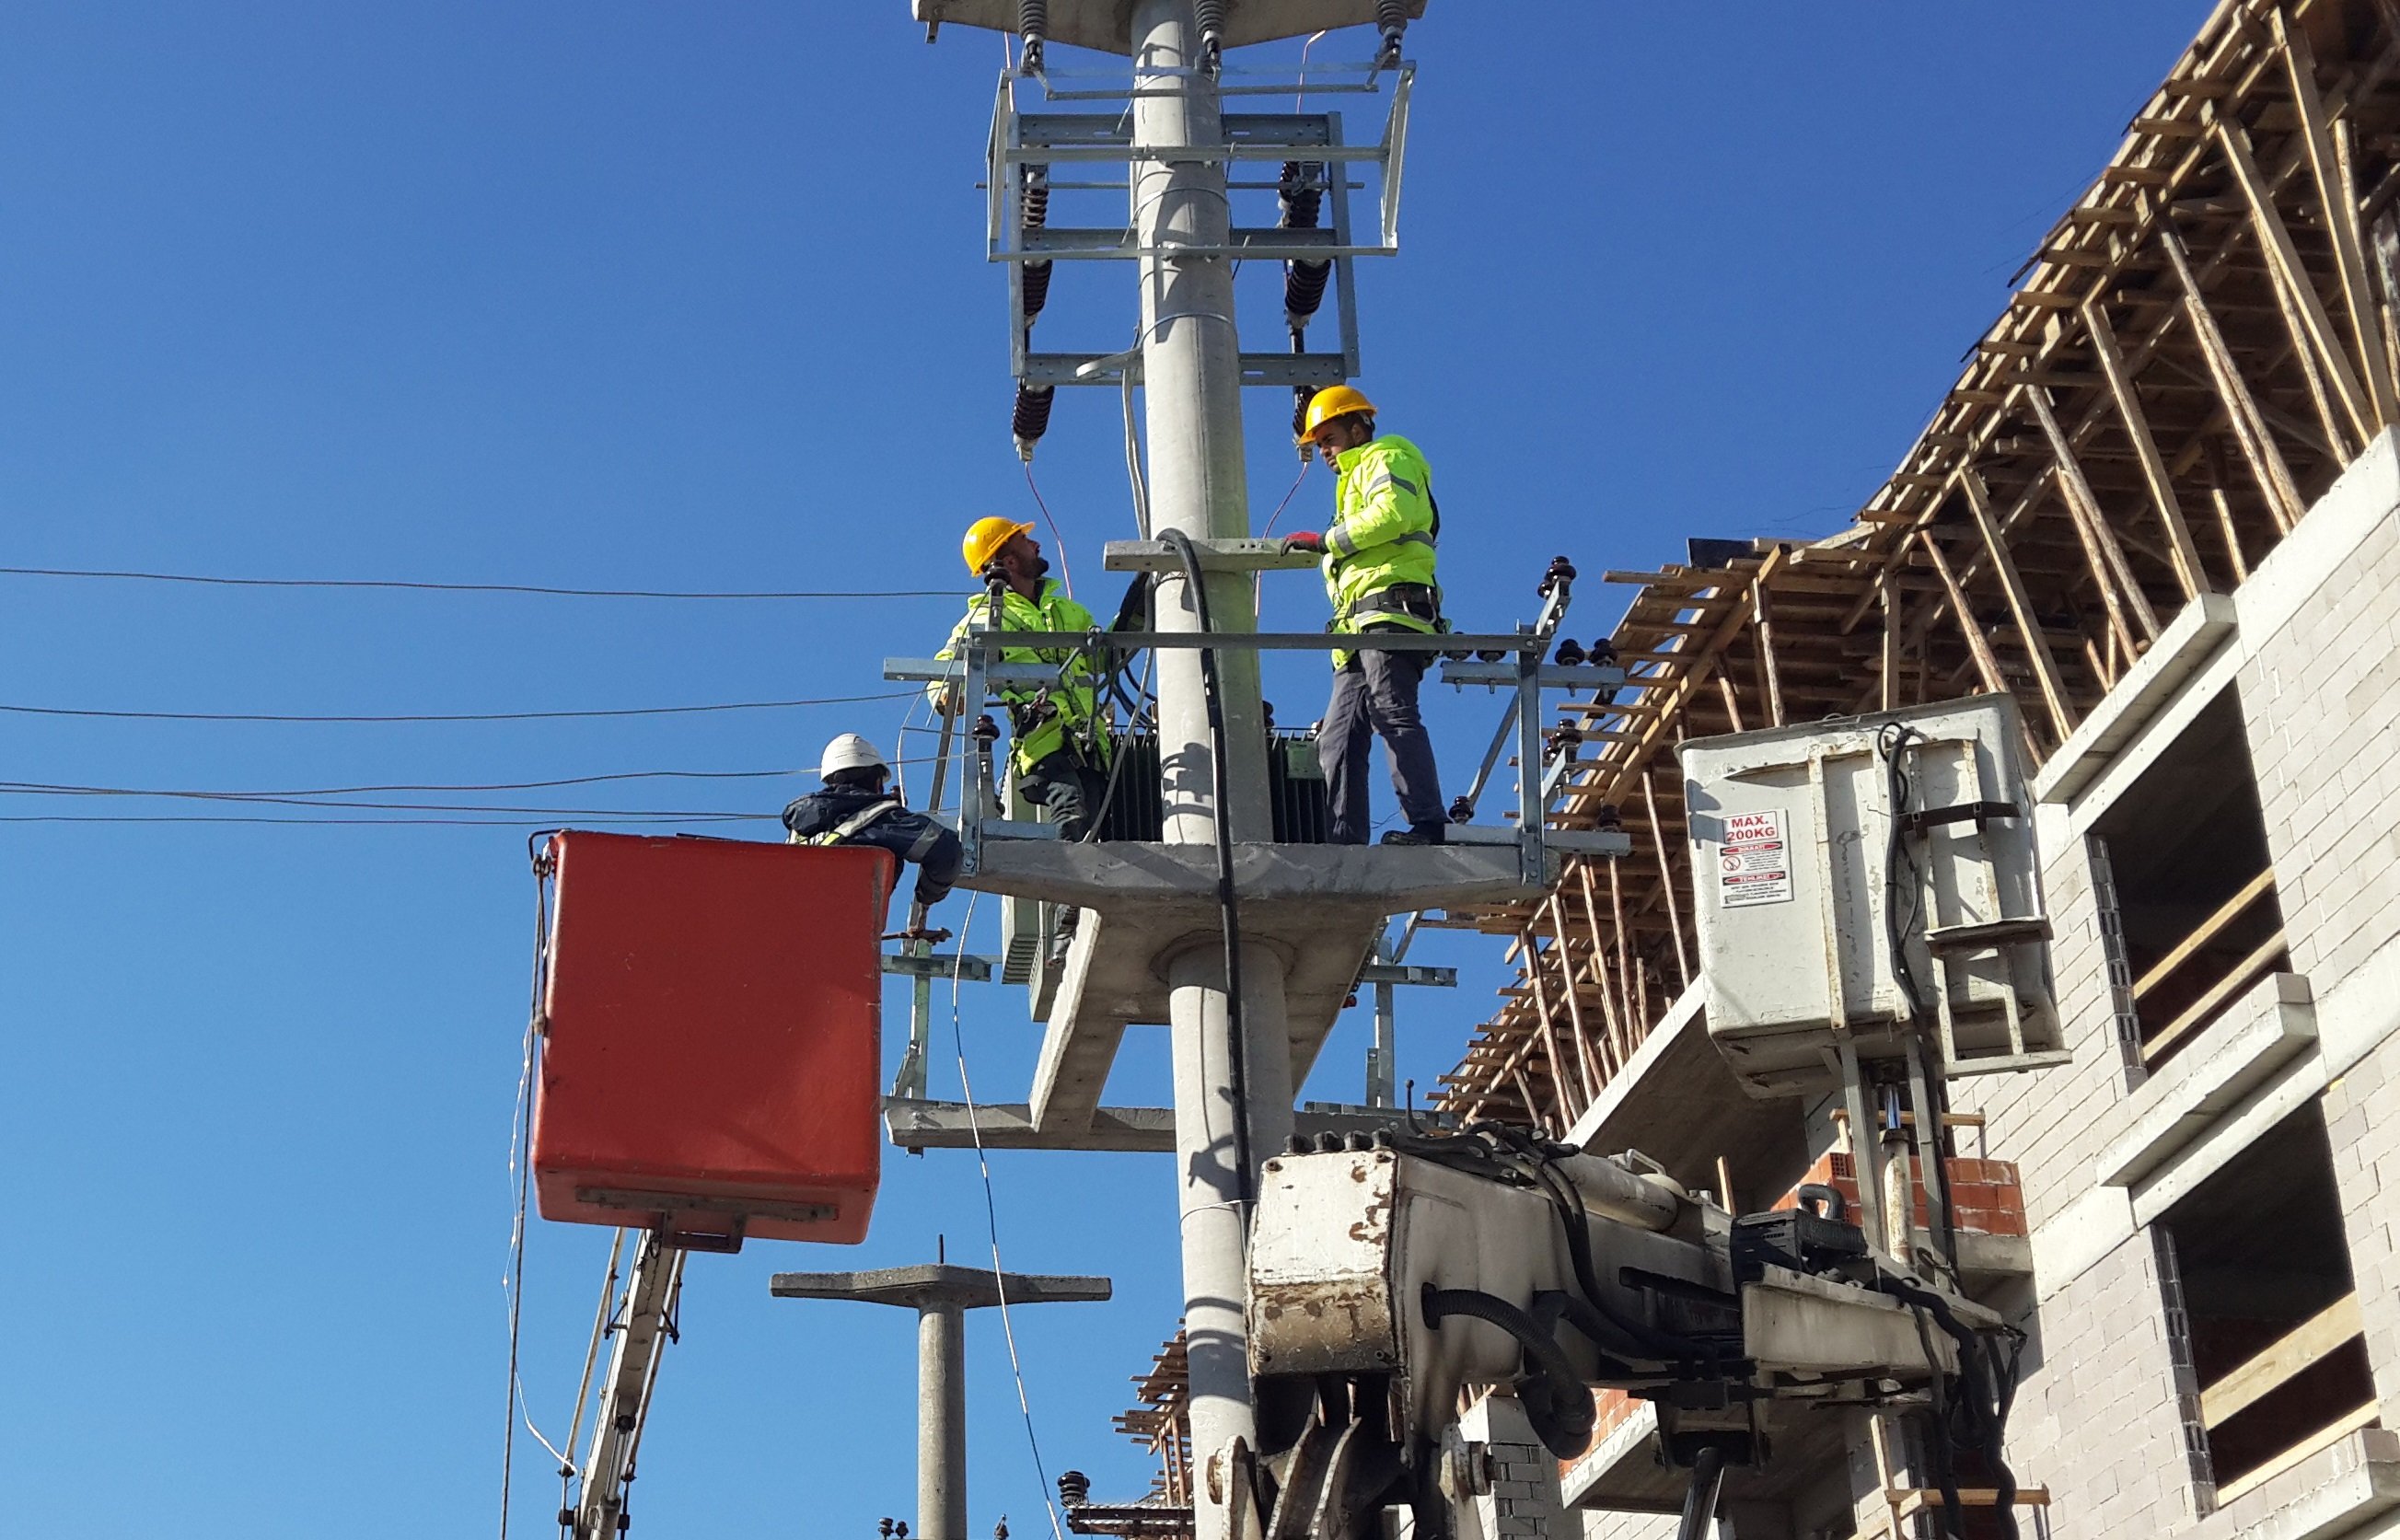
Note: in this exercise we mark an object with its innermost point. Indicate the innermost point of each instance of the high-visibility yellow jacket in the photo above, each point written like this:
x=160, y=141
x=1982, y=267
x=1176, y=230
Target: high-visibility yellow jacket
x=1044, y=719
x=1383, y=532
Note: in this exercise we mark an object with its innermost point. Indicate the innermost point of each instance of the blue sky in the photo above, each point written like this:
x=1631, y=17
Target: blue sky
x=692, y=297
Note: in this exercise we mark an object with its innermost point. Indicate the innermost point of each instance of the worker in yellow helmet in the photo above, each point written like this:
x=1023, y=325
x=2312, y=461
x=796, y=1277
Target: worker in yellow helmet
x=1060, y=739
x=1378, y=558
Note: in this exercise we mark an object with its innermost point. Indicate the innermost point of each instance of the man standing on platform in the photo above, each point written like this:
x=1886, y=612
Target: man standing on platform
x=1059, y=739
x=1378, y=558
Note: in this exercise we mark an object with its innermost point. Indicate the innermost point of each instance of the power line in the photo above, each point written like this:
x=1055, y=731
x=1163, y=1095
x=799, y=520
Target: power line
x=69, y=789
x=451, y=717
x=542, y=590
x=256, y=798
x=65, y=789
x=395, y=823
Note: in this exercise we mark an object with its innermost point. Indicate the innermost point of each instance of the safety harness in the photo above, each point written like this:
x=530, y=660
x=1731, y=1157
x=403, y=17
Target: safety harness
x=866, y=817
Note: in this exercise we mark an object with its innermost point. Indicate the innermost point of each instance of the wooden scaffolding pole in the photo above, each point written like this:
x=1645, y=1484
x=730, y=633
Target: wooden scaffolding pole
x=2316, y=327
x=2188, y=571
x=2037, y=646
x=1667, y=879
x=2274, y=478
x=2100, y=547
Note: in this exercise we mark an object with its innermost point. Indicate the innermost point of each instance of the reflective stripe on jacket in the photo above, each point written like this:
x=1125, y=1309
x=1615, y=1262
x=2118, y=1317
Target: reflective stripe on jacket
x=1384, y=531
x=1042, y=720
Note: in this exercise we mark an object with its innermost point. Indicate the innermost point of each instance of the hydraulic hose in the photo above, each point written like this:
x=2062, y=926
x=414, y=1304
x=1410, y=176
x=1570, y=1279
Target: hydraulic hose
x=1987, y=1403
x=1237, y=1048
x=1557, y=1402
x=1700, y=1502
x=1580, y=1313
x=1891, y=741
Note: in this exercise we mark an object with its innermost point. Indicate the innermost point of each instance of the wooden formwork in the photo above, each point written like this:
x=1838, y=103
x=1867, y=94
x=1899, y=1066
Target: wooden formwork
x=2189, y=360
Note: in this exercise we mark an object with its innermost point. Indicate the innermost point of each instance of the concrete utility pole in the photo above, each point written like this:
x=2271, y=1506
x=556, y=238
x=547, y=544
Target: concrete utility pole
x=941, y=1295
x=1191, y=392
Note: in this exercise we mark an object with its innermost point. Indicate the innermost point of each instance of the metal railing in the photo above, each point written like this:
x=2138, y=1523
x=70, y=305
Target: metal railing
x=1516, y=663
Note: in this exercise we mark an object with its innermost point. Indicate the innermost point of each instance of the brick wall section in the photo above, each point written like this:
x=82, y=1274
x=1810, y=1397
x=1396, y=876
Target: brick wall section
x=2095, y=1420
x=2361, y=1113
x=1523, y=1502
x=2321, y=704
x=1986, y=1194
x=2321, y=699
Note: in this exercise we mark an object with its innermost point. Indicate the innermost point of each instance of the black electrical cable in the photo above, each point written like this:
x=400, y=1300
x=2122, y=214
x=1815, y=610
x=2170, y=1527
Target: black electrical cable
x=1578, y=1229
x=1556, y=1401
x=1478, y=1149
x=1987, y=1398
x=452, y=717
x=257, y=799
x=357, y=822
x=66, y=789
x=1584, y=1316
x=1891, y=742
x=543, y=590
x=1237, y=1057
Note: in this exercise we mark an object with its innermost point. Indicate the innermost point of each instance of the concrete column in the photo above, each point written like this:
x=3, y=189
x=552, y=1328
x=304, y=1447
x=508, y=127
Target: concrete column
x=1215, y=1220
x=941, y=1295
x=1192, y=398
x=1190, y=361
x=941, y=1420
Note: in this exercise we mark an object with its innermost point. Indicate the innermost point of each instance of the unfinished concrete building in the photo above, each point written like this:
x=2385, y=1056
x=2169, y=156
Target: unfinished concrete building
x=2160, y=508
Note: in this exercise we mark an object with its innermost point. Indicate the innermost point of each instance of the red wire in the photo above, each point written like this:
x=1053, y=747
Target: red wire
x=1286, y=500
x=1057, y=541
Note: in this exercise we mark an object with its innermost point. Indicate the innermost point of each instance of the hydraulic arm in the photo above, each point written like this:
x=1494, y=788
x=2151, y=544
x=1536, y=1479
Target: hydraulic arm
x=1389, y=1278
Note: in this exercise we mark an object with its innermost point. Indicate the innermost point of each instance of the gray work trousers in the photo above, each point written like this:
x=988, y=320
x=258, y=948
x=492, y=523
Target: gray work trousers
x=1376, y=696
x=1068, y=788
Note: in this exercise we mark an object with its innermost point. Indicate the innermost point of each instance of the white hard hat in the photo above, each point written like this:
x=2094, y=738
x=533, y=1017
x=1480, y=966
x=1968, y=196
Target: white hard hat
x=851, y=752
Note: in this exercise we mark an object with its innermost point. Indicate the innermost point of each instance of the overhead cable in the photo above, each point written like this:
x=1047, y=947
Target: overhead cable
x=991, y=1222
x=257, y=799
x=1057, y=541
x=397, y=823
x=451, y=717
x=542, y=590
x=67, y=789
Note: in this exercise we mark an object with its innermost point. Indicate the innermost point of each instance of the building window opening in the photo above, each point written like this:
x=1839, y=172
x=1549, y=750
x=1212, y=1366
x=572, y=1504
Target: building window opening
x=2188, y=897
x=2269, y=1325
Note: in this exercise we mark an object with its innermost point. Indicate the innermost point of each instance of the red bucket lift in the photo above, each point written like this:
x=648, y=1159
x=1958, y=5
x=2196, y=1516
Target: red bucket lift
x=713, y=1041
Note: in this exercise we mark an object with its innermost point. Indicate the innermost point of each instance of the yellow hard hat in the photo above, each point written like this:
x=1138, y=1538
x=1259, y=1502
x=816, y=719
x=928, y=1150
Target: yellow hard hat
x=985, y=536
x=1334, y=400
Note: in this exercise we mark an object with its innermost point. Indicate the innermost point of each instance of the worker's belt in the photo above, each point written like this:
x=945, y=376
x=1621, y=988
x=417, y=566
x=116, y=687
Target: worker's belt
x=1417, y=601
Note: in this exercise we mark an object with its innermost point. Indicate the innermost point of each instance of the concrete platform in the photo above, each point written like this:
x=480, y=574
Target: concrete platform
x=1386, y=879
x=914, y=1124
x=1316, y=907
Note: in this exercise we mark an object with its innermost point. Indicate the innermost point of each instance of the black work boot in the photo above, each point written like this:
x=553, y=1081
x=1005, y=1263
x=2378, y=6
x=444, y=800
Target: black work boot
x=1416, y=834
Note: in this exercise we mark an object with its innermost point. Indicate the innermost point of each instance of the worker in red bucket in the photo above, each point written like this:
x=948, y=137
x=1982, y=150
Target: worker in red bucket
x=853, y=808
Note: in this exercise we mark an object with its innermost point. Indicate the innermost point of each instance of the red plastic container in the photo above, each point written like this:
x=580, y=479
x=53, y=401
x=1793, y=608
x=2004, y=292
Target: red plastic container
x=715, y=1038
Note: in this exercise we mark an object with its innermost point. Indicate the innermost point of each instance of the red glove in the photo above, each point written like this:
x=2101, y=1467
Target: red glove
x=1306, y=541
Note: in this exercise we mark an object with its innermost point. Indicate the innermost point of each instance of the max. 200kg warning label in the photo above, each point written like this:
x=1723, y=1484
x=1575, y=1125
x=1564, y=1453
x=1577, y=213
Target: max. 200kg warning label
x=1755, y=864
